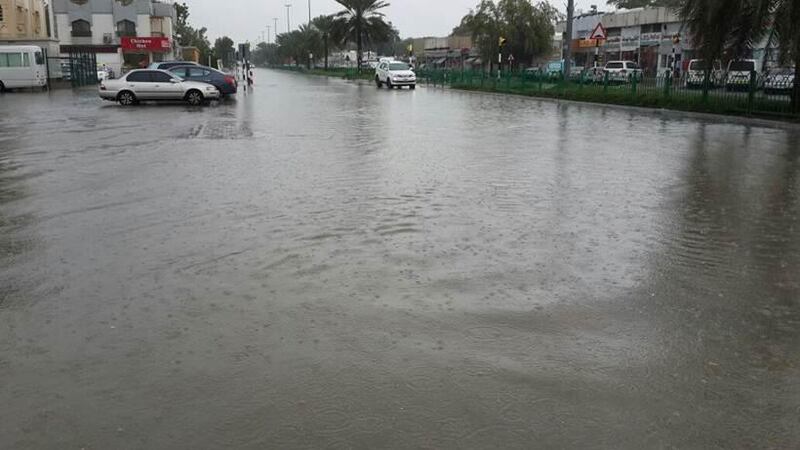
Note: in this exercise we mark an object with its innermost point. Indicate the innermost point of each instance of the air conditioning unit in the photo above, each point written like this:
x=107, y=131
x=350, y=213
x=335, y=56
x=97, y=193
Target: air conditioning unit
x=108, y=38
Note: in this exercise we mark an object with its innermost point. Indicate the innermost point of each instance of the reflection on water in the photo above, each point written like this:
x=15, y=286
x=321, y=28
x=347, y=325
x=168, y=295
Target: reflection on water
x=324, y=264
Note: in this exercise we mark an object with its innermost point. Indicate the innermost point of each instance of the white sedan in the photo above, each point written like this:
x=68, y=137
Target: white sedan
x=153, y=84
x=395, y=74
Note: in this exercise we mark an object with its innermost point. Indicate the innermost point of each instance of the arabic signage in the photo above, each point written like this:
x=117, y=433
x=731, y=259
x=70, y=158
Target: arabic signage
x=147, y=44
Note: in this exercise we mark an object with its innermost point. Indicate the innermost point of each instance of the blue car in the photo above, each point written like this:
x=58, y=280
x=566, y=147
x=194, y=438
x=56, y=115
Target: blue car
x=226, y=84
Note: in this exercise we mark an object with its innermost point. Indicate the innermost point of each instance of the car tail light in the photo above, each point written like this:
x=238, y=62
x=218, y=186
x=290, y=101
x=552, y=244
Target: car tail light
x=230, y=80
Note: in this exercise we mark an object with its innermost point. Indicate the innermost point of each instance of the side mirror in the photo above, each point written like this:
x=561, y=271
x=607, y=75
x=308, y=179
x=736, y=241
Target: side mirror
x=174, y=80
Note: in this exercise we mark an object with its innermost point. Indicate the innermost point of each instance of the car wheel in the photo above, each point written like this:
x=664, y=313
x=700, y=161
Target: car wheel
x=194, y=97
x=378, y=82
x=389, y=83
x=412, y=87
x=2, y=87
x=126, y=98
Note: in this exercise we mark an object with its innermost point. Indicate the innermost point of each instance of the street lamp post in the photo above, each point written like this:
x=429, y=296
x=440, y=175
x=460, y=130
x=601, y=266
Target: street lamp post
x=288, y=19
x=309, y=12
x=568, y=39
x=275, y=19
x=268, y=35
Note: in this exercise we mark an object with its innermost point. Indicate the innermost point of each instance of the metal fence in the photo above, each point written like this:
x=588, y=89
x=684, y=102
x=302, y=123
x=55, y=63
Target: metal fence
x=753, y=94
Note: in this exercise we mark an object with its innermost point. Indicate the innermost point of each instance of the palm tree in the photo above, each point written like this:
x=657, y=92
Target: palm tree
x=785, y=26
x=309, y=42
x=735, y=25
x=325, y=26
x=360, y=20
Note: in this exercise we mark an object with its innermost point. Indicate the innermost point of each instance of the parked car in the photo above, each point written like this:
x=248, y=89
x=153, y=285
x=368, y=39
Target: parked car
x=779, y=81
x=395, y=74
x=622, y=71
x=170, y=64
x=146, y=84
x=739, y=73
x=225, y=83
x=696, y=74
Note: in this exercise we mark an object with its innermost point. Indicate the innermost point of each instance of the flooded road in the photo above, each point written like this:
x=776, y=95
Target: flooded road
x=321, y=264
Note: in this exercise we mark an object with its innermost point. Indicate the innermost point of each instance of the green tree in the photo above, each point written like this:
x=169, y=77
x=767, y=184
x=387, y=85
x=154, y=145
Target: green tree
x=325, y=27
x=223, y=49
x=484, y=24
x=527, y=27
x=361, y=20
x=310, y=42
x=188, y=36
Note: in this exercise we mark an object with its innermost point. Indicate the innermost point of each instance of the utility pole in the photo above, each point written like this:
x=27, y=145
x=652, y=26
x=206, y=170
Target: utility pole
x=309, y=12
x=568, y=39
x=288, y=19
x=268, y=35
x=275, y=19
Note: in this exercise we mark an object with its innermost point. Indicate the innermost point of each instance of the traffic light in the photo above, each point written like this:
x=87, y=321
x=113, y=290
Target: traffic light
x=502, y=42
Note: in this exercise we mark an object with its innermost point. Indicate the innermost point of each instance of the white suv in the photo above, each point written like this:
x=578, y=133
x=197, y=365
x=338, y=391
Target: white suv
x=623, y=71
x=395, y=74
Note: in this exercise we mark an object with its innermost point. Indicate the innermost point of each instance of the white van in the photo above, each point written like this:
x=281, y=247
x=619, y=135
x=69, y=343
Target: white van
x=739, y=73
x=22, y=66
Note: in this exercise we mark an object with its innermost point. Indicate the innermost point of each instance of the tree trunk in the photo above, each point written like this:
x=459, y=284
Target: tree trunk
x=796, y=88
x=326, y=52
x=358, y=46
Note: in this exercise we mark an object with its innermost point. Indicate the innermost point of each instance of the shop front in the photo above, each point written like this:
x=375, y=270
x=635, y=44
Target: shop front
x=139, y=52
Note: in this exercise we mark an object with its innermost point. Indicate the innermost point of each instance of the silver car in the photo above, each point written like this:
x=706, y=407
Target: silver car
x=153, y=84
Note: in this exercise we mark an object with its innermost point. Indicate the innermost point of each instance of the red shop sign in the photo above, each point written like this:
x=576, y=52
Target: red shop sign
x=150, y=44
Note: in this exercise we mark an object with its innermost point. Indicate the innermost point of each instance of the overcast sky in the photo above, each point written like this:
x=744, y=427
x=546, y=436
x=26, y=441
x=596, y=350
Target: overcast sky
x=245, y=19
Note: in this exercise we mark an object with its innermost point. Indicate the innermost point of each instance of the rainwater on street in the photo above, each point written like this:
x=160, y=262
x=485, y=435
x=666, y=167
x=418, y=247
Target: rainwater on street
x=323, y=264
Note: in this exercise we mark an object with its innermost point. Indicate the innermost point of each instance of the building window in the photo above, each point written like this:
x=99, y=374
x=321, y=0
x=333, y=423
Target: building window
x=126, y=28
x=37, y=22
x=1, y=13
x=81, y=28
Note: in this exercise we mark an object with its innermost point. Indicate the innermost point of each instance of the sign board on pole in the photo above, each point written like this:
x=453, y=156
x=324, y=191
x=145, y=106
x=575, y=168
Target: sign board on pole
x=599, y=32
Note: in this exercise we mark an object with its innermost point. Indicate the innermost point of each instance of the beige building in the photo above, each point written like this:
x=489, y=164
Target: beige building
x=23, y=20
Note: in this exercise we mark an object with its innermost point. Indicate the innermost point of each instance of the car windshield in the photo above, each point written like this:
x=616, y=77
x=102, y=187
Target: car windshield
x=614, y=65
x=742, y=66
x=398, y=66
x=698, y=65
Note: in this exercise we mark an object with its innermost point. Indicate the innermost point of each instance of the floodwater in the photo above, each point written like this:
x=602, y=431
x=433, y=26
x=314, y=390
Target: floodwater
x=321, y=264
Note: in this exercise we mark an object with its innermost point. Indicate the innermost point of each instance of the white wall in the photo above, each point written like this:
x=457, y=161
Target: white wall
x=143, y=25
x=64, y=29
x=102, y=24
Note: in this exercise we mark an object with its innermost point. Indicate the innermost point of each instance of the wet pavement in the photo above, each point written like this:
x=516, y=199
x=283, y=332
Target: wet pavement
x=321, y=264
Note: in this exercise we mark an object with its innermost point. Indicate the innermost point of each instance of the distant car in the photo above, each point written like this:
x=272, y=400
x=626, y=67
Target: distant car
x=739, y=73
x=622, y=71
x=779, y=81
x=145, y=84
x=395, y=74
x=225, y=83
x=696, y=74
x=170, y=64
